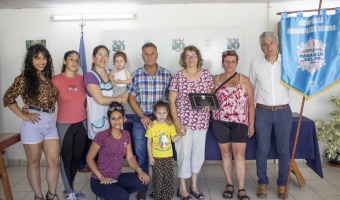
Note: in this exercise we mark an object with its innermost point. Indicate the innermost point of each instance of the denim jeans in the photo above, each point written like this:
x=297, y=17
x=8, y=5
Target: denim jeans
x=279, y=121
x=140, y=144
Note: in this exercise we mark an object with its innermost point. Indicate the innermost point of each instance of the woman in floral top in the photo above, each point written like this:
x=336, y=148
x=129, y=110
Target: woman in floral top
x=189, y=123
x=234, y=122
x=38, y=130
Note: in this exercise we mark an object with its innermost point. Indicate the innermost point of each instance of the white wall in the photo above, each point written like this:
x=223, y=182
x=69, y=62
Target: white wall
x=17, y=25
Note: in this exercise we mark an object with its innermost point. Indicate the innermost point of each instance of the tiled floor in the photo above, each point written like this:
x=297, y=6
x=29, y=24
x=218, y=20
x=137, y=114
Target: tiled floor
x=211, y=183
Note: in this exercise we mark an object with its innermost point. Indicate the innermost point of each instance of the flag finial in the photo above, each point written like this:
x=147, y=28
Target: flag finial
x=82, y=24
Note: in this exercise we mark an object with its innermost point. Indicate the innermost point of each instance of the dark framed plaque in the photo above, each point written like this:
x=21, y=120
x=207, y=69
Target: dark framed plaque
x=200, y=100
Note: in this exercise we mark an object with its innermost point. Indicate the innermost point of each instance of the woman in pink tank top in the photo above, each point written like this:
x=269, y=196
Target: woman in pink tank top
x=234, y=122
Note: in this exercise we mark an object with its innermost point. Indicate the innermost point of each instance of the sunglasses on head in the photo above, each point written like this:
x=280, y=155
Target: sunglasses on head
x=229, y=52
x=113, y=108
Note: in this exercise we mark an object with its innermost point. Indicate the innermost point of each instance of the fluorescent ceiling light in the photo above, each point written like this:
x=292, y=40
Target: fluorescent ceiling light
x=117, y=16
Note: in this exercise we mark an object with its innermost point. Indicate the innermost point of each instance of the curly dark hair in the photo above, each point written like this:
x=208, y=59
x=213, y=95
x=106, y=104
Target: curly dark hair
x=30, y=73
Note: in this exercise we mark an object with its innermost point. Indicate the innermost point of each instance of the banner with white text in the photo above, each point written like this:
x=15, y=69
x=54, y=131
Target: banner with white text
x=310, y=48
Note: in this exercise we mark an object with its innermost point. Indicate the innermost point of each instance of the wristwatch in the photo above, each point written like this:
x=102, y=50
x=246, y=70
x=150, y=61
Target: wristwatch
x=141, y=116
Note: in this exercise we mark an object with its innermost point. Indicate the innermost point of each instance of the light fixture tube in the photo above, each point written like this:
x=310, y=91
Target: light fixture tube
x=117, y=16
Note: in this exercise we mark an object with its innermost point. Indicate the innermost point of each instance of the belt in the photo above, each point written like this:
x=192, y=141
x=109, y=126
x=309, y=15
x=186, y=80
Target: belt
x=41, y=109
x=272, y=108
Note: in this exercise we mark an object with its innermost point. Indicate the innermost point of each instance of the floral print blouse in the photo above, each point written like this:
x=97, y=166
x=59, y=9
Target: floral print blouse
x=190, y=118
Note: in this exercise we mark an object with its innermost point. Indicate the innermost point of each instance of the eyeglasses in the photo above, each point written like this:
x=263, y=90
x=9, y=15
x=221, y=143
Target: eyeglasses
x=229, y=52
x=100, y=55
x=193, y=57
x=113, y=108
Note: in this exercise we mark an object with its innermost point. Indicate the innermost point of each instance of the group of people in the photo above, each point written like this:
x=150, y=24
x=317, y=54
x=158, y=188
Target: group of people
x=92, y=106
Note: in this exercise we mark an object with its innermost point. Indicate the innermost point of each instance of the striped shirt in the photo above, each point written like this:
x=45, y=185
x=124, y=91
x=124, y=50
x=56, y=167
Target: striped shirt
x=148, y=90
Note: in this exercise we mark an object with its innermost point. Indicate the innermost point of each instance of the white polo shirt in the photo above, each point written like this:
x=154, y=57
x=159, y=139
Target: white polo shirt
x=265, y=78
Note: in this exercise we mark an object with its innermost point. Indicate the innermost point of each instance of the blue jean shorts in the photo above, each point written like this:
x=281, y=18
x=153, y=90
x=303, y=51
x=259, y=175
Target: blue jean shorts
x=45, y=129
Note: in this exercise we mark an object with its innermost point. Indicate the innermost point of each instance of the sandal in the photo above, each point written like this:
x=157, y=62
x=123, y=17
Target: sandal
x=53, y=195
x=179, y=195
x=228, y=194
x=243, y=197
x=38, y=198
x=197, y=195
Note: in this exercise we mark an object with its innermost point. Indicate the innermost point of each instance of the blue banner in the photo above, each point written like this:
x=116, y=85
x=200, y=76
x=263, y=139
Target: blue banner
x=310, y=48
x=82, y=63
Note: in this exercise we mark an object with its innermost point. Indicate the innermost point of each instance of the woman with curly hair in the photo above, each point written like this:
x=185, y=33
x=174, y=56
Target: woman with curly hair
x=38, y=129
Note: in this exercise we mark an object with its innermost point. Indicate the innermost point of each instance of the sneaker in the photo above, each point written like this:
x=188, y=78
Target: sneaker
x=71, y=196
x=79, y=195
x=262, y=191
x=281, y=192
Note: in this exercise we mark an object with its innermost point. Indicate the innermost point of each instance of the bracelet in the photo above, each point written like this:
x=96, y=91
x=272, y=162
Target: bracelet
x=141, y=116
x=138, y=169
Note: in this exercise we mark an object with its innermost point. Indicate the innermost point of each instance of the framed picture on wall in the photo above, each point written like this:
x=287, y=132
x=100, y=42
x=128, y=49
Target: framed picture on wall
x=27, y=42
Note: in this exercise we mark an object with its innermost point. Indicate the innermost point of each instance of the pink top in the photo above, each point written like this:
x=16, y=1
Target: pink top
x=111, y=153
x=233, y=104
x=71, y=98
x=192, y=119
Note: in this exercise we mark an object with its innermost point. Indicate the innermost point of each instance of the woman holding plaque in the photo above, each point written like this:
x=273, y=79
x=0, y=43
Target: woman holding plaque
x=234, y=122
x=191, y=124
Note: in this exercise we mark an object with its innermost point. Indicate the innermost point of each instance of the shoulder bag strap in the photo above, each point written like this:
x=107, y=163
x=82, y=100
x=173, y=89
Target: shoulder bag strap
x=226, y=81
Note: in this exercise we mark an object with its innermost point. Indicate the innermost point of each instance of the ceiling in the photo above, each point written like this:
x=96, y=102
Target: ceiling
x=20, y=4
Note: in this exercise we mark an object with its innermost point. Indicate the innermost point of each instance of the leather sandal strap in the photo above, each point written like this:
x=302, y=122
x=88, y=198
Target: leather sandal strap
x=49, y=193
x=243, y=196
x=241, y=190
x=40, y=198
x=228, y=194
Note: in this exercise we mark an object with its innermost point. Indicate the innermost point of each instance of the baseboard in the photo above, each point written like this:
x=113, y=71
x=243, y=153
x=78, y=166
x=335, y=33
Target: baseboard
x=23, y=162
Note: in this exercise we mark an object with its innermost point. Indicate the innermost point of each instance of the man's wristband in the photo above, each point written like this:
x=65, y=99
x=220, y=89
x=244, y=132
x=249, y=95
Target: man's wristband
x=141, y=116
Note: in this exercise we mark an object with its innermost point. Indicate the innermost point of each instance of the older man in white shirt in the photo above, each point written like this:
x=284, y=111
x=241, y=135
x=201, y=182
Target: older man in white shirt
x=272, y=112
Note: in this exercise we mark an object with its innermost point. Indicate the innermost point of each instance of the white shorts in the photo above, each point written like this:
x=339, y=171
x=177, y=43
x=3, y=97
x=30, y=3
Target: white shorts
x=45, y=129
